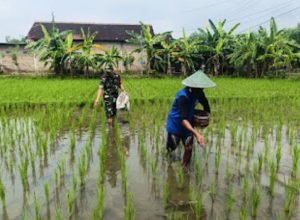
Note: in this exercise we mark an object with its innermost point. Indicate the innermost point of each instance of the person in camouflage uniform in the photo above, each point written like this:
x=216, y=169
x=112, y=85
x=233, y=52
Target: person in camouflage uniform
x=110, y=84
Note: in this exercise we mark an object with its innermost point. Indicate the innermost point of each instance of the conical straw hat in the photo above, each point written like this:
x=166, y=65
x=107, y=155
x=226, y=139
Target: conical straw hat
x=198, y=80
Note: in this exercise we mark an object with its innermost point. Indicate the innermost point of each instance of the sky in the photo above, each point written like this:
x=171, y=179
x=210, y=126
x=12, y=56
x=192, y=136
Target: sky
x=17, y=16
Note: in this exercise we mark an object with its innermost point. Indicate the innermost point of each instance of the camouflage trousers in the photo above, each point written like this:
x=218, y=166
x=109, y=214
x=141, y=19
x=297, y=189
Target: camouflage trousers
x=110, y=106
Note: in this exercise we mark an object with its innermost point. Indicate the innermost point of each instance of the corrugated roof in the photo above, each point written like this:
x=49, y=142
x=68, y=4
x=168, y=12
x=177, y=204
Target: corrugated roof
x=105, y=32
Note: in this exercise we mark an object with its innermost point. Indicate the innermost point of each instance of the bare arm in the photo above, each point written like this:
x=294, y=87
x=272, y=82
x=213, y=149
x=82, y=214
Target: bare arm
x=197, y=135
x=99, y=94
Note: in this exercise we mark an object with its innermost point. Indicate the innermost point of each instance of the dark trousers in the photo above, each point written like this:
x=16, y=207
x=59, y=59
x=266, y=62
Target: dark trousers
x=173, y=141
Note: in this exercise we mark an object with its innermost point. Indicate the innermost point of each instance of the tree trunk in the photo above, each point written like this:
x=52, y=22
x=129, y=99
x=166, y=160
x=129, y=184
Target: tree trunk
x=169, y=68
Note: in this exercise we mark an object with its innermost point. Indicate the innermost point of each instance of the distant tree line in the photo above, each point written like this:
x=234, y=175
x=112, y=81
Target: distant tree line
x=265, y=52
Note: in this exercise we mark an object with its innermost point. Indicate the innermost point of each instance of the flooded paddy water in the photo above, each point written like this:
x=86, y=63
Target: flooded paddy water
x=64, y=162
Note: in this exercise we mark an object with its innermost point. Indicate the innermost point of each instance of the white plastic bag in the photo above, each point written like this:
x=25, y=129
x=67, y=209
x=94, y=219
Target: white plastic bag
x=123, y=101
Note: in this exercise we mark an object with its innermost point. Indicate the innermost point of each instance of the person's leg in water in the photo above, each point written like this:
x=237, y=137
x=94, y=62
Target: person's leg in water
x=110, y=109
x=172, y=143
x=188, y=149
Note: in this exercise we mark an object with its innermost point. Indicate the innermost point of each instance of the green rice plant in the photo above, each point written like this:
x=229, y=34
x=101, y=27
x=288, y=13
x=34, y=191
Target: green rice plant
x=23, y=169
x=243, y=212
x=229, y=203
x=70, y=198
x=58, y=214
x=123, y=173
x=61, y=167
x=198, y=172
x=248, y=152
x=272, y=177
x=255, y=200
x=180, y=177
x=74, y=183
x=56, y=178
x=37, y=209
x=260, y=162
x=245, y=188
x=154, y=167
x=46, y=191
x=100, y=201
x=82, y=167
x=228, y=173
x=278, y=156
x=255, y=172
x=295, y=158
x=166, y=193
x=199, y=206
x=267, y=149
x=129, y=212
x=2, y=193
x=291, y=189
x=72, y=144
x=213, y=192
x=24, y=215
x=217, y=160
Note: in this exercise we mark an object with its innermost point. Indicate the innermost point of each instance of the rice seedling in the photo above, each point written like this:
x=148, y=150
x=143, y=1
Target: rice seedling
x=129, y=211
x=255, y=172
x=198, y=172
x=46, y=191
x=2, y=193
x=166, y=193
x=272, y=177
x=23, y=169
x=267, y=149
x=70, y=198
x=255, y=200
x=243, y=212
x=260, y=162
x=229, y=203
x=72, y=144
x=74, y=183
x=291, y=190
x=58, y=214
x=180, y=177
x=217, y=160
x=37, y=209
x=82, y=166
x=198, y=206
x=278, y=156
x=245, y=188
x=213, y=192
x=98, y=212
x=295, y=159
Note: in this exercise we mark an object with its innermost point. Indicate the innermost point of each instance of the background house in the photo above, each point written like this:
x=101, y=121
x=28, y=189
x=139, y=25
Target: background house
x=108, y=35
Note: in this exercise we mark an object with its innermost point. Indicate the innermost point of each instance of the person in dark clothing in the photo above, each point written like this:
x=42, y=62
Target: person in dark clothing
x=180, y=118
x=110, y=84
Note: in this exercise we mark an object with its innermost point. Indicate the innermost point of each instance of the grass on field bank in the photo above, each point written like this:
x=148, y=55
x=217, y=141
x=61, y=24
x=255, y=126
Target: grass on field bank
x=83, y=91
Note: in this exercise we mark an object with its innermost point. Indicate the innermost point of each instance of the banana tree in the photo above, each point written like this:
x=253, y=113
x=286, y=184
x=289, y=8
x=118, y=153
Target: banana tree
x=168, y=52
x=88, y=55
x=217, y=45
x=147, y=42
x=185, y=53
x=279, y=50
x=51, y=49
x=110, y=58
x=245, y=54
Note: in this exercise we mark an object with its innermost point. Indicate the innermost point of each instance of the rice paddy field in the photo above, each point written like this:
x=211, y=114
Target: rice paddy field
x=60, y=160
